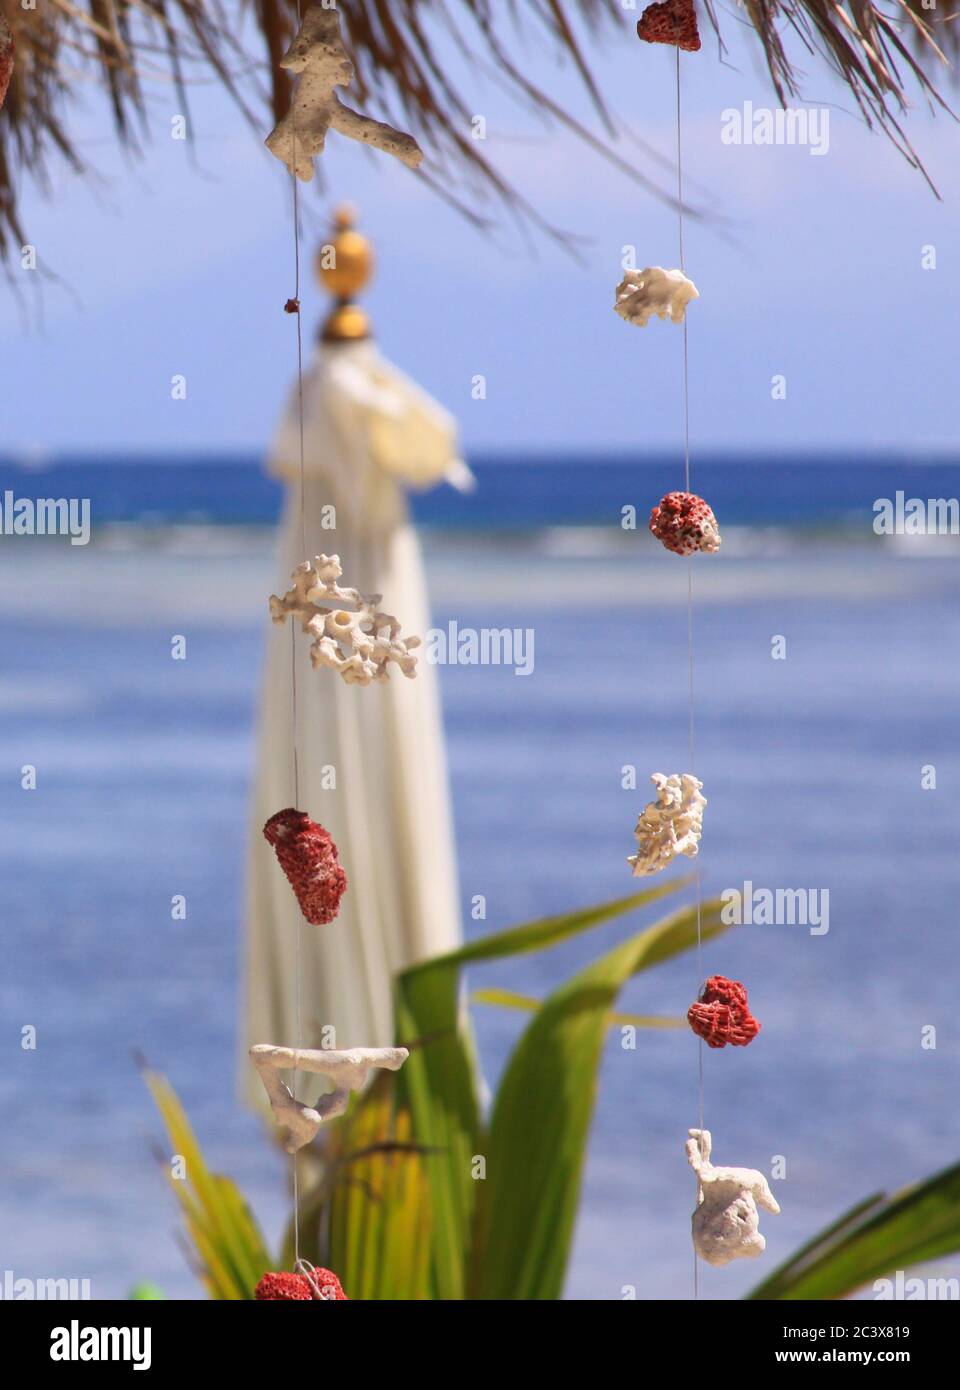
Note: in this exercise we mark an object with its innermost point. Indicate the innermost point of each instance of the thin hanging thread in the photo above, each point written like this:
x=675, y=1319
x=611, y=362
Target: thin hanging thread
x=293, y=654
x=690, y=682
x=686, y=479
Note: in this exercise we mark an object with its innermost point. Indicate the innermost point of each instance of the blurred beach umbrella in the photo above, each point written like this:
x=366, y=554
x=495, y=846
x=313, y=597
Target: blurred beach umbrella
x=400, y=49
x=371, y=760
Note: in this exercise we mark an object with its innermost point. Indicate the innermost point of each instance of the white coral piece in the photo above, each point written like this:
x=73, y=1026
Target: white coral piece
x=669, y=826
x=351, y=636
x=347, y=1070
x=726, y=1223
x=654, y=290
x=319, y=59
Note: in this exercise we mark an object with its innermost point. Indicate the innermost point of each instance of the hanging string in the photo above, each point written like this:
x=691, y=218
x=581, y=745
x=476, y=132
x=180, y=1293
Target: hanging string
x=309, y=1273
x=293, y=654
x=690, y=680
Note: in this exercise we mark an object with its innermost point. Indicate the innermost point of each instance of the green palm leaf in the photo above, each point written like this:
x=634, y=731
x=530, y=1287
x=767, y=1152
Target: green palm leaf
x=379, y=1202
x=438, y=1083
x=541, y=1119
x=232, y=1251
x=876, y=1238
x=508, y=999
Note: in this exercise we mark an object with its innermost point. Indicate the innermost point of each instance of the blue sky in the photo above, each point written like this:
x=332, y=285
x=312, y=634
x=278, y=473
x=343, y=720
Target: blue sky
x=814, y=272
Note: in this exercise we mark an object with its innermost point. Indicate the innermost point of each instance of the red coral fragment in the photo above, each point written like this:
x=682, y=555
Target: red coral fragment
x=297, y=1288
x=674, y=22
x=721, y=1015
x=685, y=523
x=308, y=857
x=283, y=1288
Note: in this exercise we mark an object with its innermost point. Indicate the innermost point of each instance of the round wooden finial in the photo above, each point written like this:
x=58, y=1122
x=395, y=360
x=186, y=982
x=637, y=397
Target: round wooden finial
x=344, y=265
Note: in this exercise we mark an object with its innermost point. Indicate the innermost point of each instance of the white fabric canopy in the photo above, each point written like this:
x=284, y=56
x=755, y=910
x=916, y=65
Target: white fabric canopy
x=368, y=433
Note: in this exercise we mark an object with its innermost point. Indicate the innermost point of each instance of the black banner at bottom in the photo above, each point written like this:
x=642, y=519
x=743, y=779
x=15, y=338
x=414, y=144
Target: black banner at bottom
x=168, y=1339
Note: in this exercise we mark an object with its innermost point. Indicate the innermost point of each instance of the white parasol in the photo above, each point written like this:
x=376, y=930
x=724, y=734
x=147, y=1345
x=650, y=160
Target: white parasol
x=372, y=768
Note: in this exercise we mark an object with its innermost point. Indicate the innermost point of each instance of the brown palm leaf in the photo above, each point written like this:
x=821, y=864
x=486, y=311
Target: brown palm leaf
x=878, y=51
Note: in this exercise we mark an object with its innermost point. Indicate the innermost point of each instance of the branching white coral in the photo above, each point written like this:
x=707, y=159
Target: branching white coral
x=654, y=290
x=319, y=59
x=726, y=1223
x=347, y=1070
x=669, y=826
x=351, y=635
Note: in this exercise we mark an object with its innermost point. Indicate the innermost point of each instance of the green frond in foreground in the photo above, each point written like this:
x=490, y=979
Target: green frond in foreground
x=877, y=1237
x=505, y=1193
x=230, y=1251
x=421, y=1194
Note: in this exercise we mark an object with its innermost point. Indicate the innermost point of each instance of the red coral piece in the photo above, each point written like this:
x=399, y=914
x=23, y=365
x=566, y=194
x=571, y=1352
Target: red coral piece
x=283, y=1288
x=673, y=21
x=721, y=1015
x=309, y=859
x=720, y=990
x=297, y=1288
x=685, y=523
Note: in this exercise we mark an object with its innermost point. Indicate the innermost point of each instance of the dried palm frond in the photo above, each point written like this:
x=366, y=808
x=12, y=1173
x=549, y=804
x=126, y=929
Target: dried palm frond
x=124, y=45
x=874, y=51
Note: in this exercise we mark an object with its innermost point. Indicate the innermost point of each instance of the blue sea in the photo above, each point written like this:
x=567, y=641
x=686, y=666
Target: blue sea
x=814, y=767
x=516, y=493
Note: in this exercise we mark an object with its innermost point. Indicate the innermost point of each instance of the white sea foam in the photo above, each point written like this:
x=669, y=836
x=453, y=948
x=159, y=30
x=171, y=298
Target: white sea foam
x=547, y=569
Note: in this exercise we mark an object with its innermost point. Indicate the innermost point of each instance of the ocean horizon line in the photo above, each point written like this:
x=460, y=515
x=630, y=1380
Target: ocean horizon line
x=772, y=455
